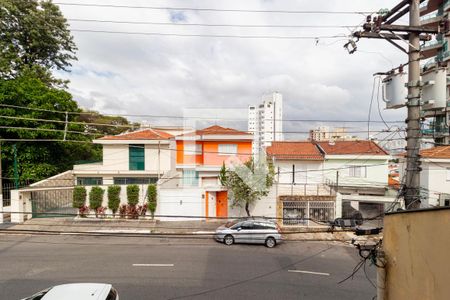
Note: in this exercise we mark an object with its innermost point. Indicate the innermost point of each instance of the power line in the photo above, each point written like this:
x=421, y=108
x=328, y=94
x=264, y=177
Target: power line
x=213, y=35
x=189, y=117
x=210, y=25
x=215, y=9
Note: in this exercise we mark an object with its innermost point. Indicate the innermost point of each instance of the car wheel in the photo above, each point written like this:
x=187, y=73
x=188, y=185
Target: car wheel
x=270, y=242
x=228, y=240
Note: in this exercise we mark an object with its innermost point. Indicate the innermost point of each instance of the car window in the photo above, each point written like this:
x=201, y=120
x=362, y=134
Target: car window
x=112, y=294
x=237, y=225
x=248, y=225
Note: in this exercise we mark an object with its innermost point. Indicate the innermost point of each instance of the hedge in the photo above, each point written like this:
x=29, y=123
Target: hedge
x=79, y=196
x=133, y=194
x=113, y=198
x=96, y=197
x=152, y=195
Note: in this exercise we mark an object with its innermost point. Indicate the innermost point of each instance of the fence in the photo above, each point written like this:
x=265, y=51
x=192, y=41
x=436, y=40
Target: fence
x=6, y=191
x=305, y=213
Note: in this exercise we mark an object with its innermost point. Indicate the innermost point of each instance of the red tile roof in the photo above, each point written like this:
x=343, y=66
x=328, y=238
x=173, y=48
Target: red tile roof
x=304, y=150
x=146, y=134
x=351, y=147
x=436, y=152
x=219, y=130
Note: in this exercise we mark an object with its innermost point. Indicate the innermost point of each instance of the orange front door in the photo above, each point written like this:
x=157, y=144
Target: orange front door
x=222, y=204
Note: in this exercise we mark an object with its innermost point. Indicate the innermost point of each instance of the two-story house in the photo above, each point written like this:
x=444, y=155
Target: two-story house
x=139, y=157
x=194, y=189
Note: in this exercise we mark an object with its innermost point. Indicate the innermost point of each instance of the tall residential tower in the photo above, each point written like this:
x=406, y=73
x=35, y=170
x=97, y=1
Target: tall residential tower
x=265, y=121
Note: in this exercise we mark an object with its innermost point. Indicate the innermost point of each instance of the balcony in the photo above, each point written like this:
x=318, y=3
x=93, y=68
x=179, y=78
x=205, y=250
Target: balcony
x=433, y=18
x=431, y=48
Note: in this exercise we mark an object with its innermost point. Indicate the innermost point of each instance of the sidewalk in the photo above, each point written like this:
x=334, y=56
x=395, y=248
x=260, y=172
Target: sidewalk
x=182, y=228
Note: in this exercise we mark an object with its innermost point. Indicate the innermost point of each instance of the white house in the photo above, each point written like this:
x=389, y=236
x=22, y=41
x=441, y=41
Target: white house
x=139, y=157
x=434, y=177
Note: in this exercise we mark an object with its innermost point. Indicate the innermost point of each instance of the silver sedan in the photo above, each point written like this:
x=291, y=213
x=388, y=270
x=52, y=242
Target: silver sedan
x=249, y=231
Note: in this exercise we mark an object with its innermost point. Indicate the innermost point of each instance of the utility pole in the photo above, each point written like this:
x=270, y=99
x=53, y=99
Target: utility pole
x=381, y=27
x=412, y=184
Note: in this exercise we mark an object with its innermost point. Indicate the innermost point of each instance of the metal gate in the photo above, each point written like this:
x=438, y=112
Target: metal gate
x=305, y=213
x=52, y=203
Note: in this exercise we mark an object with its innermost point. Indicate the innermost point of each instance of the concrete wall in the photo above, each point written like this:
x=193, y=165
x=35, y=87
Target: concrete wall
x=377, y=170
x=416, y=245
x=306, y=172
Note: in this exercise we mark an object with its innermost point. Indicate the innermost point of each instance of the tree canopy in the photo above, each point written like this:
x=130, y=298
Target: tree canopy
x=248, y=182
x=34, y=35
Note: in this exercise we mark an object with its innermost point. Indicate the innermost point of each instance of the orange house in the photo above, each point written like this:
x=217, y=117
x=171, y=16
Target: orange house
x=200, y=156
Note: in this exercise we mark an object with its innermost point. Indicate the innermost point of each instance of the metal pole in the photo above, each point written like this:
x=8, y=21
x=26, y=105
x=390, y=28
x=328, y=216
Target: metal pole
x=16, y=172
x=412, y=184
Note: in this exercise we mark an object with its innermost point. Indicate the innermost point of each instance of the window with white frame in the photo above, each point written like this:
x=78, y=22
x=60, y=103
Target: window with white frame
x=192, y=149
x=357, y=171
x=227, y=149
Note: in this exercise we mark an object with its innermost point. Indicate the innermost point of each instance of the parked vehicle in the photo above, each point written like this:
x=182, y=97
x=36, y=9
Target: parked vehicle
x=249, y=231
x=77, y=291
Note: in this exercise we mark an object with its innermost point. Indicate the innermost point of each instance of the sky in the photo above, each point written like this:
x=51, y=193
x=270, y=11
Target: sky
x=165, y=75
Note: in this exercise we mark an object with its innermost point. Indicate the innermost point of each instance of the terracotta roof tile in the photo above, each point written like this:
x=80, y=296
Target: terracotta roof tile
x=436, y=152
x=146, y=134
x=351, y=147
x=215, y=129
x=303, y=150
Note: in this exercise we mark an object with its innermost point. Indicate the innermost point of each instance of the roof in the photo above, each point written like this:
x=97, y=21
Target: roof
x=436, y=152
x=146, y=134
x=304, y=150
x=215, y=129
x=351, y=148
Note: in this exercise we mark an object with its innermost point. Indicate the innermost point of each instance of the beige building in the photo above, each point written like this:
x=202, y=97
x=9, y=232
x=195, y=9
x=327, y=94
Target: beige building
x=325, y=133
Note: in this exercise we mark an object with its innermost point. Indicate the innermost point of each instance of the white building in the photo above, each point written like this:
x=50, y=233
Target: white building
x=325, y=133
x=434, y=177
x=265, y=121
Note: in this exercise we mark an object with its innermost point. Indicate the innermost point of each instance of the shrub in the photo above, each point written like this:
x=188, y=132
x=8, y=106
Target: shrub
x=101, y=211
x=79, y=197
x=133, y=194
x=152, y=195
x=83, y=211
x=123, y=211
x=113, y=198
x=96, y=198
x=142, y=210
x=132, y=212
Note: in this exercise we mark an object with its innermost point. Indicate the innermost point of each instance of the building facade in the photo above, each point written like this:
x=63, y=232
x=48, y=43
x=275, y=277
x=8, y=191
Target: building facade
x=265, y=121
x=325, y=133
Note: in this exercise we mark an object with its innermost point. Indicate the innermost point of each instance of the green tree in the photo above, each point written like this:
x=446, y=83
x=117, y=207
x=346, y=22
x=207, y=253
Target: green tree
x=34, y=36
x=133, y=194
x=248, y=182
x=152, y=195
x=39, y=160
x=114, y=198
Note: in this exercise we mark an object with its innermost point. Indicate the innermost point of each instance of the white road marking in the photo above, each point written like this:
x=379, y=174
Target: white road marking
x=153, y=265
x=309, y=272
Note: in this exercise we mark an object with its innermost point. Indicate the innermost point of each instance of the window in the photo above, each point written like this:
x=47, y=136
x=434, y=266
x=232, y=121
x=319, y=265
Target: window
x=89, y=180
x=190, y=178
x=248, y=225
x=135, y=180
x=136, y=157
x=227, y=149
x=357, y=171
x=192, y=149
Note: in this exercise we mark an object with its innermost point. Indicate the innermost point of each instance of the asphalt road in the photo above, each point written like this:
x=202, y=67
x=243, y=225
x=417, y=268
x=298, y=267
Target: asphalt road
x=191, y=268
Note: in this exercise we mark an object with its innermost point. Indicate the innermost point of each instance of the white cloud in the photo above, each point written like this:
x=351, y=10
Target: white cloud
x=157, y=75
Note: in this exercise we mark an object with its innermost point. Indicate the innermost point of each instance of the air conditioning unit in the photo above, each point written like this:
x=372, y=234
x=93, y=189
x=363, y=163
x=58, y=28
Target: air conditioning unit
x=434, y=90
x=394, y=90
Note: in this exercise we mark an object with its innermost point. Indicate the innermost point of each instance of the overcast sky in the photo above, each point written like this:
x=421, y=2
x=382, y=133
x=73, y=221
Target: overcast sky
x=162, y=75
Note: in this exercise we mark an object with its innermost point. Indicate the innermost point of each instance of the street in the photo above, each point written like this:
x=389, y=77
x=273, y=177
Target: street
x=182, y=268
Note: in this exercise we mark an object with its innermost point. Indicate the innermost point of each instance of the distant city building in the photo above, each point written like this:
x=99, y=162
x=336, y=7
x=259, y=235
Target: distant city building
x=325, y=133
x=265, y=121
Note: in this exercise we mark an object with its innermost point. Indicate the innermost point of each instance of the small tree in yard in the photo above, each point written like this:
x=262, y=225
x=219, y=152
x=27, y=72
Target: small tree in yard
x=114, y=198
x=79, y=197
x=96, y=198
x=248, y=182
x=133, y=194
x=152, y=195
